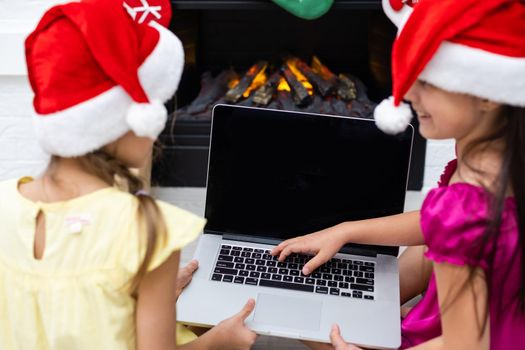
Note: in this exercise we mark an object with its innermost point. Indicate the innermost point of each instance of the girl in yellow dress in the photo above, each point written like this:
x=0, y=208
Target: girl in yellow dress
x=87, y=259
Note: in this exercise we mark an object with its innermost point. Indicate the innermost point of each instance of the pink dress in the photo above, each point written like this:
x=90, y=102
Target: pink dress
x=453, y=218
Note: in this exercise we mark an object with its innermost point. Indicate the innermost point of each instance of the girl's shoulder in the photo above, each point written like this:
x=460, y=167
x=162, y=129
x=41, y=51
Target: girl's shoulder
x=454, y=221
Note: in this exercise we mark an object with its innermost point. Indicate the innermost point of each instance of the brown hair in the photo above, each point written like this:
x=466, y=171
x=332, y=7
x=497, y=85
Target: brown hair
x=110, y=170
x=511, y=174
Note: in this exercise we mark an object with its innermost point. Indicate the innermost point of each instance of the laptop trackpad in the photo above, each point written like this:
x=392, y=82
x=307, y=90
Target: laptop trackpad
x=288, y=312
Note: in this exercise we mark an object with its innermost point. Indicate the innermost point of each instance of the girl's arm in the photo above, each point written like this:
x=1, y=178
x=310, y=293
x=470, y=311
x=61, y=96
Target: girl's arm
x=400, y=229
x=156, y=316
x=463, y=308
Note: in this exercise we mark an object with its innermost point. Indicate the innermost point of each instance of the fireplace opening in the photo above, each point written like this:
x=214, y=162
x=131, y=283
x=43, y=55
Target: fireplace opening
x=253, y=53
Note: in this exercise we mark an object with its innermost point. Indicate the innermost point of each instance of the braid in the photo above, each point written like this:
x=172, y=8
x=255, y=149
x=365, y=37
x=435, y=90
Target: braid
x=151, y=221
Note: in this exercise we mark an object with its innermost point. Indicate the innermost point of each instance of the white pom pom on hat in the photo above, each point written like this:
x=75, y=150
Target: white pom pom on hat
x=439, y=44
x=147, y=119
x=110, y=78
x=390, y=118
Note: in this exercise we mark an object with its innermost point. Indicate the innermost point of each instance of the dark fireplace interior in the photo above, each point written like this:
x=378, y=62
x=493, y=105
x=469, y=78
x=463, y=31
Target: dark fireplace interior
x=224, y=39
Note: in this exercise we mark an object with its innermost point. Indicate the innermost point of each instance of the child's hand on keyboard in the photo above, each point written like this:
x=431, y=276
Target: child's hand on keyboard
x=338, y=342
x=324, y=244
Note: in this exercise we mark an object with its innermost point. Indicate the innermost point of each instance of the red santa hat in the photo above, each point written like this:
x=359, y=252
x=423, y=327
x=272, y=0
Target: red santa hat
x=469, y=46
x=100, y=68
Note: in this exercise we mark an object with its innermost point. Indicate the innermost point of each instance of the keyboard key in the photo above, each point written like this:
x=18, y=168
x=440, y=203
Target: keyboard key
x=346, y=294
x=286, y=285
x=366, y=268
x=343, y=285
x=368, y=263
x=259, y=262
x=321, y=282
x=349, y=279
x=251, y=267
x=255, y=274
x=292, y=266
x=256, y=255
x=272, y=270
x=327, y=276
x=358, y=274
x=369, y=297
x=339, y=278
x=224, y=246
x=332, y=284
x=227, y=278
x=287, y=278
x=365, y=281
x=266, y=275
x=321, y=290
x=361, y=287
x=235, y=252
x=259, y=250
x=369, y=275
x=336, y=260
x=225, y=264
x=249, y=261
x=277, y=277
x=251, y=281
x=225, y=252
x=238, y=260
x=240, y=266
x=225, y=271
x=357, y=262
x=324, y=270
x=298, y=280
x=294, y=272
x=271, y=263
x=336, y=271
x=310, y=281
x=216, y=277
x=243, y=273
x=236, y=248
x=316, y=275
x=356, y=294
x=246, y=254
x=246, y=249
x=334, y=291
x=267, y=257
x=283, y=271
x=238, y=279
x=261, y=268
x=342, y=266
x=281, y=264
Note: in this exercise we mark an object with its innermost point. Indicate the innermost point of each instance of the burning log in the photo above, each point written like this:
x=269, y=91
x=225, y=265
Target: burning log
x=264, y=94
x=235, y=93
x=324, y=86
x=300, y=95
x=346, y=88
x=211, y=90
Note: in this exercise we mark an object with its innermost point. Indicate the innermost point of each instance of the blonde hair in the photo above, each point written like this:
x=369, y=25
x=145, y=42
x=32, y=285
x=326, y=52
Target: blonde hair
x=110, y=170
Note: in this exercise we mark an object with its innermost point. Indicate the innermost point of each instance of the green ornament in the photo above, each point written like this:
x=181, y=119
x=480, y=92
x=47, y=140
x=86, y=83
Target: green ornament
x=306, y=9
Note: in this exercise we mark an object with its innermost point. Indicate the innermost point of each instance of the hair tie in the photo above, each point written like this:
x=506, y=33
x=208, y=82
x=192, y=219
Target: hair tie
x=141, y=193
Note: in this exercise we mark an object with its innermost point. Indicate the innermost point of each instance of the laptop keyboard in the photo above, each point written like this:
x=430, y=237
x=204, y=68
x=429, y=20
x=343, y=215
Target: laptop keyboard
x=256, y=267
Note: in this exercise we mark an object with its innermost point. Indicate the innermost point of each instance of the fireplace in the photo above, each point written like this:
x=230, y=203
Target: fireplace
x=230, y=37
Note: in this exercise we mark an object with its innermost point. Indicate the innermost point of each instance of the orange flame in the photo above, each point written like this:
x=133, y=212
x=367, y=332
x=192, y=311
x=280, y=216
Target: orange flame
x=321, y=69
x=233, y=83
x=259, y=80
x=292, y=64
x=283, y=85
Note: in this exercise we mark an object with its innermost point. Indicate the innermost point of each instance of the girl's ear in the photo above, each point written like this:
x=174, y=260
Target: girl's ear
x=488, y=106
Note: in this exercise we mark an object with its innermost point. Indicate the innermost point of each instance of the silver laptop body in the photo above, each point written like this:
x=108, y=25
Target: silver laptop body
x=273, y=175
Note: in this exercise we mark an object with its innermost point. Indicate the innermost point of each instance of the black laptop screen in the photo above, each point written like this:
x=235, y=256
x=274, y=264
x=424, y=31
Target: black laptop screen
x=279, y=174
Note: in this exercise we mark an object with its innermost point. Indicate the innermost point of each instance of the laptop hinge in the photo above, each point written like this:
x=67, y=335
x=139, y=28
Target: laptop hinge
x=359, y=251
x=251, y=239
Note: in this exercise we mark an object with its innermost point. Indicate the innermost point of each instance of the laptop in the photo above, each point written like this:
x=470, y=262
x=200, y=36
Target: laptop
x=274, y=175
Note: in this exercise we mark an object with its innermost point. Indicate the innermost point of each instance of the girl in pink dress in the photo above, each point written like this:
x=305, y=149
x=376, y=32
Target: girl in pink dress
x=461, y=65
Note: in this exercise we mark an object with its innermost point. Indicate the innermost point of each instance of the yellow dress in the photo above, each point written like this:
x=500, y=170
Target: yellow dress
x=75, y=297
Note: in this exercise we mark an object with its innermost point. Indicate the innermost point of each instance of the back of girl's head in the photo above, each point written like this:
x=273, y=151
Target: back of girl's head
x=483, y=55
x=100, y=69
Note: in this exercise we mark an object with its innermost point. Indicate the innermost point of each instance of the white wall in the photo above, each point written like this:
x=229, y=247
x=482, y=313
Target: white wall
x=20, y=154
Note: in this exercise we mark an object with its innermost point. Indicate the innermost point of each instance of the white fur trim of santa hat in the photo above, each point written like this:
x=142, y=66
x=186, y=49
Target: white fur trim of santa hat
x=457, y=68
x=90, y=125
